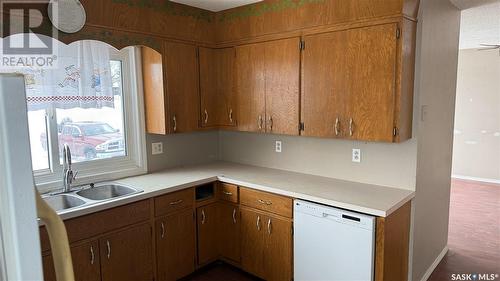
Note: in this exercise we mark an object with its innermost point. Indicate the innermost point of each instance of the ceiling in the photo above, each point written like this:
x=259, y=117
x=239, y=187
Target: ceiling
x=216, y=5
x=466, y=4
x=480, y=25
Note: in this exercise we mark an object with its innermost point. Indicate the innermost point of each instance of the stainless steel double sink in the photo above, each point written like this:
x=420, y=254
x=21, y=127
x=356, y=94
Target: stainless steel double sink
x=88, y=196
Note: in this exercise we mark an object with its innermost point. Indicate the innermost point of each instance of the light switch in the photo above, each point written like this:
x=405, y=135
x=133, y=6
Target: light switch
x=156, y=148
x=356, y=155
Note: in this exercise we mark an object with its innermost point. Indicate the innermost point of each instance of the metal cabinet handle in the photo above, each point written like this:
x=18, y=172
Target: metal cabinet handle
x=174, y=119
x=92, y=255
x=231, y=115
x=206, y=116
x=260, y=122
x=258, y=223
x=227, y=192
x=203, y=217
x=265, y=202
x=162, y=230
x=337, y=128
x=351, y=127
x=234, y=216
x=271, y=123
x=109, y=248
x=176, y=202
x=269, y=225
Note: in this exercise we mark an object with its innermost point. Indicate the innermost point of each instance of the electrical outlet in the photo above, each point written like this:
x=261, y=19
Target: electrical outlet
x=156, y=148
x=278, y=146
x=356, y=155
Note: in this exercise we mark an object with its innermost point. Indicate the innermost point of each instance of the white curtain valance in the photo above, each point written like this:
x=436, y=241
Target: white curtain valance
x=81, y=78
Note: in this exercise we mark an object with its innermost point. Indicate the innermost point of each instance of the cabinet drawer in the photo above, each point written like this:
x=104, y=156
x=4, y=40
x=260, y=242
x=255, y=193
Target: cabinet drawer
x=228, y=192
x=265, y=201
x=172, y=202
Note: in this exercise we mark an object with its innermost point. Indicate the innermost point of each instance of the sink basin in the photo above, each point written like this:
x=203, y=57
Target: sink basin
x=63, y=202
x=106, y=192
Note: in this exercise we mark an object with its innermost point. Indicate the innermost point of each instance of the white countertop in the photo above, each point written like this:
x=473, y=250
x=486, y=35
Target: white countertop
x=364, y=198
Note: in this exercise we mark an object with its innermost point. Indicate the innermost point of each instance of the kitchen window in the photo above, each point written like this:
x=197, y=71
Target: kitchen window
x=105, y=131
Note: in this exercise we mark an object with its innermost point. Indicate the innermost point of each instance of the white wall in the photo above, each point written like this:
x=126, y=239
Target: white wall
x=476, y=147
x=381, y=163
x=436, y=69
x=183, y=149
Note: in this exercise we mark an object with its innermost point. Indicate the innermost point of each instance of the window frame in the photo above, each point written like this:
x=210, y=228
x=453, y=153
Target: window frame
x=135, y=160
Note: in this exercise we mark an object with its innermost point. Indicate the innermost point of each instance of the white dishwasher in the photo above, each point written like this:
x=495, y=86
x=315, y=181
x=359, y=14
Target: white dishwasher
x=332, y=244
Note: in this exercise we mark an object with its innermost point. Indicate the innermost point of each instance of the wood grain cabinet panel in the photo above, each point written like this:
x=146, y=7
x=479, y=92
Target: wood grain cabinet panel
x=175, y=245
x=217, y=91
x=155, y=101
x=282, y=72
x=181, y=75
x=227, y=192
x=350, y=88
x=127, y=255
x=86, y=263
x=208, y=229
x=268, y=86
x=324, y=84
x=250, y=85
x=266, y=201
x=229, y=224
x=253, y=242
x=278, y=251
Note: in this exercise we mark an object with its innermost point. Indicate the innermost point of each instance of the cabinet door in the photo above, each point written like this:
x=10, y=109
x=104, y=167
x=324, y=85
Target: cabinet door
x=175, y=245
x=371, y=57
x=181, y=71
x=206, y=217
x=278, y=252
x=282, y=67
x=86, y=264
x=253, y=242
x=250, y=87
x=217, y=87
x=127, y=255
x=229, y=231
x=155, y=102
x=325, y=84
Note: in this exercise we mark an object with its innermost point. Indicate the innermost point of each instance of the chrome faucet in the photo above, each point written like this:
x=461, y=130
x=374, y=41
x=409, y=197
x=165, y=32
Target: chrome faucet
x=68, y=176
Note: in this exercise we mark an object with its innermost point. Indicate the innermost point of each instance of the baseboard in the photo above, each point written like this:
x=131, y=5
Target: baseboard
x=435, y=264
x=495, y=181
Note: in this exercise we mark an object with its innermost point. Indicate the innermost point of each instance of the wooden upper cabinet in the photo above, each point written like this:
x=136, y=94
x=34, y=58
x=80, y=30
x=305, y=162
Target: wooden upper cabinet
x=217, y=91
x=127, y=255
x=181, y=75
x=154, y=94
x=371, y=59
x=268, y=86
x=350, y=84
x=324, y=84
x=282, y=73
x=250, y=85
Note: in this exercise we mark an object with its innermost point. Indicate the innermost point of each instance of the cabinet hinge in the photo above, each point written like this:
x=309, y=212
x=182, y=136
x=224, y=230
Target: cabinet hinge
x=301, y=126
x=395, y=131
x=398, y=33
x=302, y=45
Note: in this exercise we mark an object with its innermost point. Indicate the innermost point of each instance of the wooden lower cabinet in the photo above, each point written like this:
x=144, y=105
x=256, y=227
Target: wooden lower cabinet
x=208, y=229
x=229, y=240
x=266, y=248
x=127, y=255
x=175, y=245
x=86, y=263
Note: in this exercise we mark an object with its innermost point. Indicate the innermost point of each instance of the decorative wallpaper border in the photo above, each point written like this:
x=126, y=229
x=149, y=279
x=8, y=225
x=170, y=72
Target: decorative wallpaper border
x=169, y=7
x=260, y=9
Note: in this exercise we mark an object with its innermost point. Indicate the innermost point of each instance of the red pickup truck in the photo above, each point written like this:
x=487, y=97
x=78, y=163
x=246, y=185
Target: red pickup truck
x=90, y=140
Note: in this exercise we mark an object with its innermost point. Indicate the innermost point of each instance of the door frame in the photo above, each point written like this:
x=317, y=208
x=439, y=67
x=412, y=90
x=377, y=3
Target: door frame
x=19, y=229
